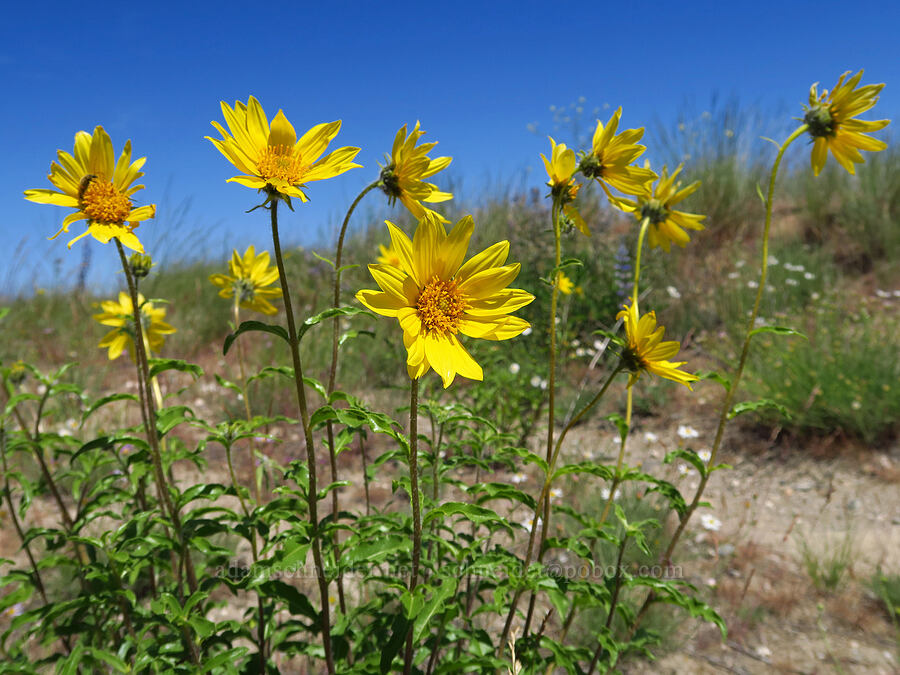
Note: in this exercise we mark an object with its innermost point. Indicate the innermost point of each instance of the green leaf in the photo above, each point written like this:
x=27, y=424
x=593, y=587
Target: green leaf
x=621, y=425
x=100, y=402
x=752, y=406
x=327, y=314
x=591, y=468
x=228, y=384
x=434, y=605
x=158, y=366
x=169, y=418
x=778, y=330
x=375, y=551
x=3, y=312
x=350, y=334
x=399, y=628
x=715, y=377
x=488, y=491
x=759, y=193
x=689, y=456
x=323, y=259
x=255, y=326
x=476, y=514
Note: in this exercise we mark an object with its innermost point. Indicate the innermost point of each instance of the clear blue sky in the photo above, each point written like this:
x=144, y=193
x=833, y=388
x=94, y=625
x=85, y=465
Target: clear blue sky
x=475, y=73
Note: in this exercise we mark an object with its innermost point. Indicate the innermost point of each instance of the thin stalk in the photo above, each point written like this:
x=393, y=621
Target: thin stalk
x=34, y=440
x=613, y=603
x=312, y=490
x=729, y=394
x=150, y=424
x=621, y=458
x=414, y=498
x=7, y=490
x=332, y=376
x=261, y=632
x=245, y=392
x=545, y=492
x=365, y=467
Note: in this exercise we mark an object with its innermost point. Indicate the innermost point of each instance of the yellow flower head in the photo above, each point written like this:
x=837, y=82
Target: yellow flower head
x=561, y=168
x=830, y=117
x=611, y=157
x=120, y=316
x=247, y=282
x=565, y=284
x=99, y=188
x=667, y=226
x=402, y=177
x=270, y=155
x=646, y=351
x=436, y=296
x=388, y=256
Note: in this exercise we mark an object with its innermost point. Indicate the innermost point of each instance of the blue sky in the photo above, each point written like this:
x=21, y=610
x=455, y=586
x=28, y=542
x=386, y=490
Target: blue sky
x=475, y=74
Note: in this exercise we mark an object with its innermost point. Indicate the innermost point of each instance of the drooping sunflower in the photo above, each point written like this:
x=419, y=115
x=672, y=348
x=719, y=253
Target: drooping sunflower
x=611, y=157
x=247, y=281
x=407, y=166
x=388, y=256
x=435, y=297
x=830, y=117
x=100, y=189
x=271, y=156
x=120, y=316
x=561, y=168
x=645, y=350
x=667, y=226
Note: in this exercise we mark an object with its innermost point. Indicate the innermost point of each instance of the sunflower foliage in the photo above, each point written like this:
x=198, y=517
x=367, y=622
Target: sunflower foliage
x=262, y=518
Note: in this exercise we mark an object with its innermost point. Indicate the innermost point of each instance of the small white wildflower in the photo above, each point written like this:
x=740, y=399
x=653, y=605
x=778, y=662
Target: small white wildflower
x=576, y=342
x=519, y=477
x=897, y=293
x=705, y=455
x=527, y=331
x=763, y=652
x=791, y=282
x=604, y=493
x=773, y=260
x=41, y=390
x=683, y=469
x=733, y=275
x=543, y=384
x=882, y=294
x=815, y=296
x=514, y=368
x=710, y=522
x=16, y=610
x=809, y=276
x=760, y=321
x=598, y=345
x=673, y=292
x=856, y=405
x=729, y=133
x=770, y=288
x=752, y=284
x=740, y=263
x=535, y=381
x=687, y=431
x=712, y=583
x=555, y=493
x=580, y=352
x=528, y=523
x=650, y=437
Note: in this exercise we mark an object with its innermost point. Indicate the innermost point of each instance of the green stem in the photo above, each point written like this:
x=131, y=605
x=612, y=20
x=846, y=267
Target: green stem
x=245, y=392
x=612, y=607
x=150, y=418
x=332, y=376
x=312, y=490
x=417, y=518
x=645, y=223
x=729, y=394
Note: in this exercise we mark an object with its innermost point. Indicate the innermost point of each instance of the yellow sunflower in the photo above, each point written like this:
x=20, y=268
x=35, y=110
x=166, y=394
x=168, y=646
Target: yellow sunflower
x=270, y=155
x=435, y=297
x=611, y=156
x=646, y=351
x=667, y=226
x=247, y=282
x=120, y=316
x=561, y=168
x=388, y=256
x=99, y=187
x=831, y=124
x=407, y=166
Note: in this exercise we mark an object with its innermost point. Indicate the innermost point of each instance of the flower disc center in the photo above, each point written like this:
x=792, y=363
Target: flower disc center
x=280, y=163
x=441, y=306
x=655, y=210
x=102, y=202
